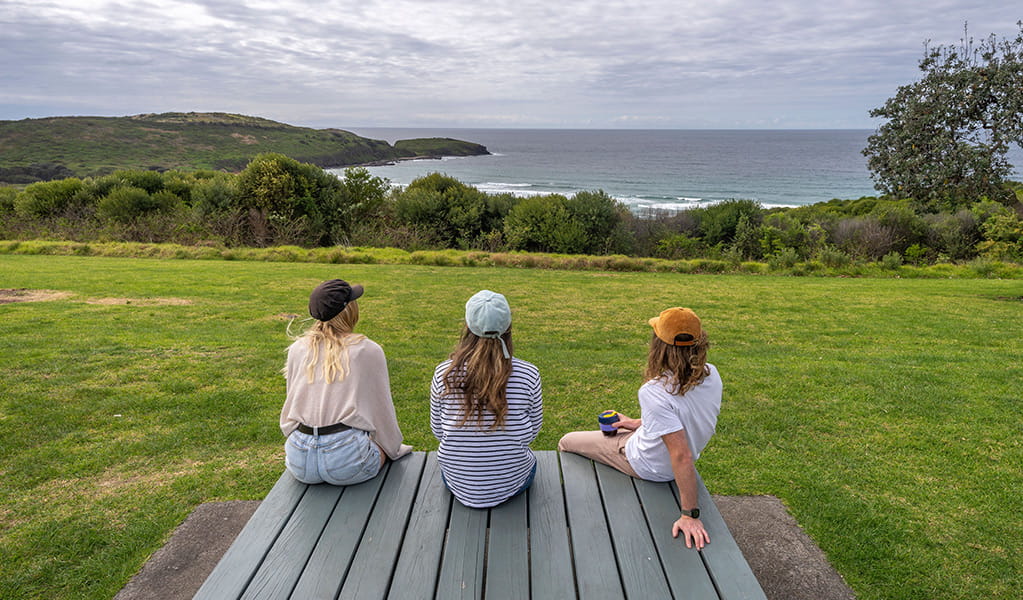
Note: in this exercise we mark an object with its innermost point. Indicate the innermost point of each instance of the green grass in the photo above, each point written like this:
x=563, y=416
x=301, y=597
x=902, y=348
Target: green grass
x=885, y=413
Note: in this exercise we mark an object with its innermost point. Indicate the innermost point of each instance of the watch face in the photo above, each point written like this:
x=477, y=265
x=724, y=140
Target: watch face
x=695, y=513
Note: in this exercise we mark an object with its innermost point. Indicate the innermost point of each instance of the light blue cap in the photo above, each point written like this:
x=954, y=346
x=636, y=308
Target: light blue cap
x=488, y=315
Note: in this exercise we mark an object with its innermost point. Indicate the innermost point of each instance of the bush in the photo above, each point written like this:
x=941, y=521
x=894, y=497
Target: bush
x=7, y=195
x=543, y=224
x=48, y=198
x=150, y=181
x=718, y=223
x=891, y=261
x=833, y=258
x=917, y=254
x=1003, y=237
x=460, y=215
x=679, y=246
x=126, y=203
x=955, y=236
x=785, y=259
x=865, y=237
x=214, y=195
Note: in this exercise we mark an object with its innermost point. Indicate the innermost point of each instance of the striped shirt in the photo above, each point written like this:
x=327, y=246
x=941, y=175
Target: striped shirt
x=484, y=467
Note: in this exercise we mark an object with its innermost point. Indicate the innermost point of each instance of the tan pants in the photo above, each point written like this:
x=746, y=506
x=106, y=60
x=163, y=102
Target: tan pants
x=609, y=450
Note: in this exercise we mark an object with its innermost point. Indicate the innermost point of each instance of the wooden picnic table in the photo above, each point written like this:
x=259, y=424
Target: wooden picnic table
x=582, y=530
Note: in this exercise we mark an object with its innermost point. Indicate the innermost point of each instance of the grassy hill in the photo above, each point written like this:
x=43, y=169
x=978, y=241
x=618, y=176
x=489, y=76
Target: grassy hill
x=54, y=147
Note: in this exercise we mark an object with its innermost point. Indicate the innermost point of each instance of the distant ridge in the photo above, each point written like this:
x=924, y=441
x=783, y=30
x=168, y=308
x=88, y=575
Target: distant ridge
x=55, y=147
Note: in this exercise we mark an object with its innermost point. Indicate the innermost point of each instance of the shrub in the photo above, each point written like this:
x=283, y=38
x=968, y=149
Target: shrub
x=1003, y=237
x=891, y=261
x=48, y=198
x=126, y=203
x=7, y=195
x=458, y=214
x=150, y=181
x=833, y=258
x=718, y=223
x=917, y=254
x=542, y=224
x=954, y=235
x=785, y=259
x=865, y=237
x=679, y=246
x=214, y=195
x=601, y=217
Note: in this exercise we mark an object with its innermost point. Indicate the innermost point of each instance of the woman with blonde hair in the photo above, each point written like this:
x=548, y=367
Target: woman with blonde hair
x=679, y=406
x=338, y=414
x=486, y=407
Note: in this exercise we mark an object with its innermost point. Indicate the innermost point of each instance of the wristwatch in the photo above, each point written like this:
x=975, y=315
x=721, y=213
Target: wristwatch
x=694, y=513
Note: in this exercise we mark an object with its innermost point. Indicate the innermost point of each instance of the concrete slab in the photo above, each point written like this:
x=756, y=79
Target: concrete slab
x=785, y=560
x=177, y=570
x=787, y=563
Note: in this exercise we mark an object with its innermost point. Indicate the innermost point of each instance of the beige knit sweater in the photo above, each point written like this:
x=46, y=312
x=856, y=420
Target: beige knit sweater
x=362, y=400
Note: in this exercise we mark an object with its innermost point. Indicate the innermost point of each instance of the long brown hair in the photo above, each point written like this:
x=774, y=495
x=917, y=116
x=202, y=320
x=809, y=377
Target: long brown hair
x=681, y=368
x=333, y=337
x=478, y=376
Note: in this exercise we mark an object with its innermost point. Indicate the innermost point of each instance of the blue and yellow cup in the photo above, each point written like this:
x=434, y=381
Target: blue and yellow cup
x=605, y=419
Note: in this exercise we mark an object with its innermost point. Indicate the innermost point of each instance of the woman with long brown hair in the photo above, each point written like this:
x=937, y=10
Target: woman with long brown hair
x=338, y=415
x=679, y=405
x=485, y=408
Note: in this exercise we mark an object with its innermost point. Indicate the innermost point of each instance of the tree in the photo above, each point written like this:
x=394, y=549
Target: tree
x=946, y=135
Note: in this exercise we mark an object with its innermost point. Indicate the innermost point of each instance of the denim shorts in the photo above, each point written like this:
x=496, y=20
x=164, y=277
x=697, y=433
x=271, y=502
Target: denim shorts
x=343, y=458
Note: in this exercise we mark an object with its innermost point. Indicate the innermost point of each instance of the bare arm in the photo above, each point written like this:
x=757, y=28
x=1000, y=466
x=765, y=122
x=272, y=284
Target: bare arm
x=685, y=478
x=624, y=422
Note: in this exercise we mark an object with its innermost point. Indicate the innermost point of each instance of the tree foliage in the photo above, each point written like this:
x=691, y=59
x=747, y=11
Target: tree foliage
x=946, y=136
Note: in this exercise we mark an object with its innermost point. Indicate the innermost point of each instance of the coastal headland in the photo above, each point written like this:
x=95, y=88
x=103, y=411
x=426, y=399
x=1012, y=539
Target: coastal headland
x=60, y=147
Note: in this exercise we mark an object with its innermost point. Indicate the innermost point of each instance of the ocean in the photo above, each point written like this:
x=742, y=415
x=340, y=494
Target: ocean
x=653, y=169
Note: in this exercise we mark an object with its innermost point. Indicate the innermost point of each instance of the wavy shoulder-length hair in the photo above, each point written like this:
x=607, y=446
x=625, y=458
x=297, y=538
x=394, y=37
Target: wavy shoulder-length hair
x=328, y=344
x=681, y=368
x=478, y=377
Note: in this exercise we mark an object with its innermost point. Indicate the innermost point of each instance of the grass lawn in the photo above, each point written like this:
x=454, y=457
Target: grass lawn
x=885, y=413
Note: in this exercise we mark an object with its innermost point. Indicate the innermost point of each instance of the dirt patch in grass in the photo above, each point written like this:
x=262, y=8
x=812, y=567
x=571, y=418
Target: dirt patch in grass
x=8, y=296
x=140, y=301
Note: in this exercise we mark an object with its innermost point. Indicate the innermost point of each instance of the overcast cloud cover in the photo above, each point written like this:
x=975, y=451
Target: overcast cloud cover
x=478, y=63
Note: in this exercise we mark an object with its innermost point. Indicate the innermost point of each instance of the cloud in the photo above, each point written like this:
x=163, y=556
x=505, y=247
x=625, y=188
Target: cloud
x=729, y=63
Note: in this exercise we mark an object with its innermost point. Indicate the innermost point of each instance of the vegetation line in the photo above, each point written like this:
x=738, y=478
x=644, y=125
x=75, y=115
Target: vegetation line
x=978, y=268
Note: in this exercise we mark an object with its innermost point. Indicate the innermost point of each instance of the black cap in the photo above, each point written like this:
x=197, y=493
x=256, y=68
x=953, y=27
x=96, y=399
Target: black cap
x=331, y=297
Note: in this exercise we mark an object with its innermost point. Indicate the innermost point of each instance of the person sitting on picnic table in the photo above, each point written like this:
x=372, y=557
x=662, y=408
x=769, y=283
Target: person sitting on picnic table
x=338, y=414
x=485, y=408
x=679, y=406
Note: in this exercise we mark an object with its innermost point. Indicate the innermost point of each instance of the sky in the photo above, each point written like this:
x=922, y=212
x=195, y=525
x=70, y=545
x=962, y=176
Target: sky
x=639, y=64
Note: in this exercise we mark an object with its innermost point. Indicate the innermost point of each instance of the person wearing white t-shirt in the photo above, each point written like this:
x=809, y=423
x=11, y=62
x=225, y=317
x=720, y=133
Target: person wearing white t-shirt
x=679, y=406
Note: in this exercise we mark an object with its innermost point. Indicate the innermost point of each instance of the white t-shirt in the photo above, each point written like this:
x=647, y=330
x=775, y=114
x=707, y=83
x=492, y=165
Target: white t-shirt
x=662, y=413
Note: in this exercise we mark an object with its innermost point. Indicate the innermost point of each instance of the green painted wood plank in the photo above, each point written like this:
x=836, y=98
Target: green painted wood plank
x=284, y=563
x=329, y=562
x=461, y=567
x=550, y=554
x=686, y=573
x=595, y=567
x=727, y=566
x=507, y=569
x=370, y=573
x=415, y=575
x=641, y=572
x=229, y=578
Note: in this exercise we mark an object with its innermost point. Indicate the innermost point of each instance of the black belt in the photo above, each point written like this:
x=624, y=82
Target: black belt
x=329, y=429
